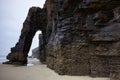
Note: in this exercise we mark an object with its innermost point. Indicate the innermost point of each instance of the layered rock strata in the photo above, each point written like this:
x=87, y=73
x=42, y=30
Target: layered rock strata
x=80, y=37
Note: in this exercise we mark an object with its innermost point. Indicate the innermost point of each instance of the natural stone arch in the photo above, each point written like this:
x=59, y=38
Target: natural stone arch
x=36, y=20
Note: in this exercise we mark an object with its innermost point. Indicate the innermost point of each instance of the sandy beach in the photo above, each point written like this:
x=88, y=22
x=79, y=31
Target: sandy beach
x=36, y=72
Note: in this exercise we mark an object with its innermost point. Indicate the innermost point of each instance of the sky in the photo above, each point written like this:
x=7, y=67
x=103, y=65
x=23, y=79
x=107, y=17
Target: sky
x=12, y=15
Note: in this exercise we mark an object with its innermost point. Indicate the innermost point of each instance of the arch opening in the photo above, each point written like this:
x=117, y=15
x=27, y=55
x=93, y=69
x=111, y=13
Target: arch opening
x=35, y=42
x=34, y=52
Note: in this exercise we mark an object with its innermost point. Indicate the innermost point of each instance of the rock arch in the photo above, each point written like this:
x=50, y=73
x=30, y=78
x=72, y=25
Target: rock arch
x=36, y=20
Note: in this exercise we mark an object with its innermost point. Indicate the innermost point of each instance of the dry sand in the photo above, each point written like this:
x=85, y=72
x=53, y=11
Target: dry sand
x=36, y=72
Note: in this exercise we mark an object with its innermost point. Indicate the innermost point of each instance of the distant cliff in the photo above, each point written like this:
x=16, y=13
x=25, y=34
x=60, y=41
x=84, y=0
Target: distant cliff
x=80, y=37
x=35, y=52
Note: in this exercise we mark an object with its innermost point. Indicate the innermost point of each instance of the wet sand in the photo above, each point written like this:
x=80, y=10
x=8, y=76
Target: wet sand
x=36, y=72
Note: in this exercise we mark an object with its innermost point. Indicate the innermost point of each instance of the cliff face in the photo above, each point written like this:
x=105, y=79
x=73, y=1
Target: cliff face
x=80, y=37
x=85, y=39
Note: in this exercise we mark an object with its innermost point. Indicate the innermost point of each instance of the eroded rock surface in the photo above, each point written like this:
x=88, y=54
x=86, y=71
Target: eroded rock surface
x=80, y=37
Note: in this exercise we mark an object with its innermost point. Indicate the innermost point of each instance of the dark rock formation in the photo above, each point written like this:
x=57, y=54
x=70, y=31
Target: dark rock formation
x=36, y=20
x=80, y=37
x=86, y=41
